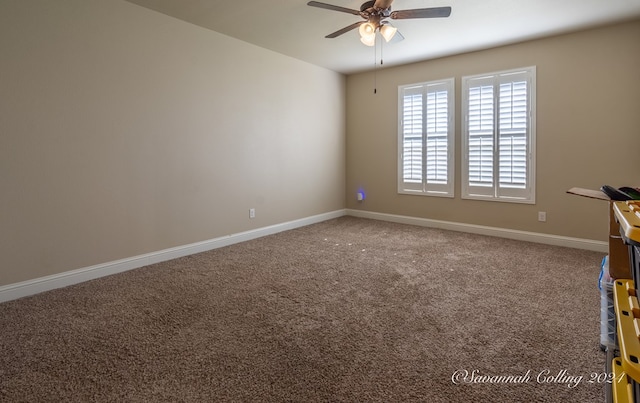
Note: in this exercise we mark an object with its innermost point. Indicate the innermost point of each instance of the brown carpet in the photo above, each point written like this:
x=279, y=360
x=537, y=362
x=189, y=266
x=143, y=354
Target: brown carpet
x=348, y=310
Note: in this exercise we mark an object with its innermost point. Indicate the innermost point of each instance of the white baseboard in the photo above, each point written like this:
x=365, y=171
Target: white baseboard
x=38, y=285
x=578, y=243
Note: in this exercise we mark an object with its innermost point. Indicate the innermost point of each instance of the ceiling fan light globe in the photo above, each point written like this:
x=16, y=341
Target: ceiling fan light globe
x=388, y=32
x=367, y=29
x=368, y=40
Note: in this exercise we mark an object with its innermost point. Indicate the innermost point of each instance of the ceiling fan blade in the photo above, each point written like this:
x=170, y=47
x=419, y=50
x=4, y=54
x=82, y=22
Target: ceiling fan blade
x=434, y=12
x=332, y=7
x=345, y=29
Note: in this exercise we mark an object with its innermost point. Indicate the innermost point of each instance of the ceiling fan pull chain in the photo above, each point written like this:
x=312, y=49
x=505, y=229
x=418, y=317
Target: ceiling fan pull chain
x=375, y=68
x=375, y=65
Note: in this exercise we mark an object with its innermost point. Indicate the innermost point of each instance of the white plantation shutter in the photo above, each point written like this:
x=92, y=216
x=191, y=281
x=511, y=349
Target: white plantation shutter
x=425, y=139
x=412, y=137
x=437, y=117
x=481, y=140
x=499, y=136
x=513, y=118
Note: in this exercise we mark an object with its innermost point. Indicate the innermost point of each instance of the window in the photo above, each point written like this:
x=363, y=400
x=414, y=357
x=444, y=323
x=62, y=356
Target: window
x=425, y=138
x=498, y=138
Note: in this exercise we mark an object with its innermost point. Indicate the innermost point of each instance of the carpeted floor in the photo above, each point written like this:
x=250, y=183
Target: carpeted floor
x=348, y=310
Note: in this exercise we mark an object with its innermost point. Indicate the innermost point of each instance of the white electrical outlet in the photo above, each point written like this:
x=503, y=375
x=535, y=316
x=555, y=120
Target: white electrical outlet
x=252, y=213
x=542, y=216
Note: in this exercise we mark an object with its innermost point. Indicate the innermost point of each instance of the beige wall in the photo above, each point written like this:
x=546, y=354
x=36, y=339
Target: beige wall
x=588, y=131
x=124, y=132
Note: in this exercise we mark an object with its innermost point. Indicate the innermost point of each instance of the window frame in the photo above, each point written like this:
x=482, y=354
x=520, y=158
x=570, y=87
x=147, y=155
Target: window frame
x=424, y=188
x=496, y=192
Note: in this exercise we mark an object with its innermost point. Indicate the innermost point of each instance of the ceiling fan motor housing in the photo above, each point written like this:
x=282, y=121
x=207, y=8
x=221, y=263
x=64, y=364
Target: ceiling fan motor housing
x=368, y=9
x=367, y=5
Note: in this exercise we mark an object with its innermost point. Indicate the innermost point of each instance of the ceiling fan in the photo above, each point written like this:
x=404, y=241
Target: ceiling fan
x=375, y=13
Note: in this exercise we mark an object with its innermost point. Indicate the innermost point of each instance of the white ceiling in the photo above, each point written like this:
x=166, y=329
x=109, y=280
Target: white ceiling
x=292, y=28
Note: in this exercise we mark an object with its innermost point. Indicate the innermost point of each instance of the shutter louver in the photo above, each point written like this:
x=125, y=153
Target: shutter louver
x=437, y=133
x=412, y=138
x=513, y=135
x=481, y=136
